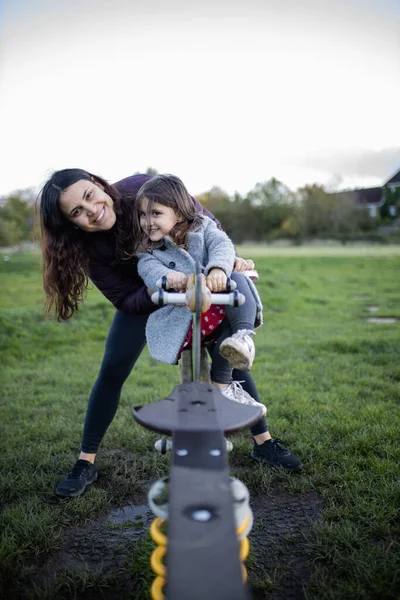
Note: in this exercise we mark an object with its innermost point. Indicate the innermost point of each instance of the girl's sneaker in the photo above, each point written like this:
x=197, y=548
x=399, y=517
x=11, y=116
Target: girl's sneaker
x=235, y=392
x=239, y=349
x=165, y=444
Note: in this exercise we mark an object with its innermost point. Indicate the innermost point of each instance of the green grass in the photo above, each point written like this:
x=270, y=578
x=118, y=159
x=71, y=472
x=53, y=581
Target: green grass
x=330, y=380
x=329, y=248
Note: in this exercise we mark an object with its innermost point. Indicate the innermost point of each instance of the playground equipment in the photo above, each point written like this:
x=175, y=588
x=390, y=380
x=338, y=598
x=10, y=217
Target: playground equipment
x=206, y=512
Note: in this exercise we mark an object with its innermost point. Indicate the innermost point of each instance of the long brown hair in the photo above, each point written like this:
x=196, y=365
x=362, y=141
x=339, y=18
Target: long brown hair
x=65, y=261
x=167, y=190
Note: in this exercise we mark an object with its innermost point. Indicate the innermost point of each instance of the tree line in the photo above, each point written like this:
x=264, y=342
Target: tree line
x=269, y=211
x=17, y=217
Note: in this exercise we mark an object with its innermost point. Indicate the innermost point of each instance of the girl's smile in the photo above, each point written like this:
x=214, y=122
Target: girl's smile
x=159, y=222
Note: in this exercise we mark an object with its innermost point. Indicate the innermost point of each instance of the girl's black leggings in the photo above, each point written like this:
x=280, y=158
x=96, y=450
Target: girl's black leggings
x=125, y=342
x=242, y=317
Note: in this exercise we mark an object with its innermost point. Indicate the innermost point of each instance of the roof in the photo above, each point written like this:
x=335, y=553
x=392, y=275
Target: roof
x=394, y=179
x=364, y=196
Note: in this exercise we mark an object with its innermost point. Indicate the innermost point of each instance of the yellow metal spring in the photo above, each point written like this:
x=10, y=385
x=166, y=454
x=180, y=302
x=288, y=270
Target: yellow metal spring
x=156, y=558
x=159, y=553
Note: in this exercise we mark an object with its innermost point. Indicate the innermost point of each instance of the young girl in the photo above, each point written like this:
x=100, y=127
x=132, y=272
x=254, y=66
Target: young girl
x=172, y=236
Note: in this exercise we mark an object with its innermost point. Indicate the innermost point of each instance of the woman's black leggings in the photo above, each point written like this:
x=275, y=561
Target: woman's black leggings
x=125, y=342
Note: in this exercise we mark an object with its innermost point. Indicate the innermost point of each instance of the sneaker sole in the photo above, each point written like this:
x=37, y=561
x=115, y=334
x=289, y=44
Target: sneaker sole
x=235, y=358
x=261, y=459
x=78, y=492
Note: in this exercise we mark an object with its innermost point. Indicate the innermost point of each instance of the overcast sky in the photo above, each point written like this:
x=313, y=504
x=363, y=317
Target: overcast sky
x=218, y=92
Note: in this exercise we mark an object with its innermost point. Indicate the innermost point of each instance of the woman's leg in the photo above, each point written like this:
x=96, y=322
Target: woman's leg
x=259, y=431
x=222, y=375
x=125, y=342
x=221, y=370
x=266, y=449
x=243, y=317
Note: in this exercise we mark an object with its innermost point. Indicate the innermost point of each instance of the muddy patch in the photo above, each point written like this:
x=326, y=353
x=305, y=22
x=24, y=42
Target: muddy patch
x=100, y=544
x=277, y=541
x=277, y=566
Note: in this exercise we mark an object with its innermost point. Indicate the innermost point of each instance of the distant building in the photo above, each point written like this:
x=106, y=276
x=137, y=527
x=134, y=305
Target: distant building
x=374, y=198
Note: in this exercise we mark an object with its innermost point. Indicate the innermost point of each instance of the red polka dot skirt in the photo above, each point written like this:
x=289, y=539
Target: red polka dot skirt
x=209, y=323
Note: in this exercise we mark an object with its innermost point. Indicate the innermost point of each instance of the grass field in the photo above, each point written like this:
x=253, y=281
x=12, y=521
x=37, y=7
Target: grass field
x=330, y=380
x=327, y=249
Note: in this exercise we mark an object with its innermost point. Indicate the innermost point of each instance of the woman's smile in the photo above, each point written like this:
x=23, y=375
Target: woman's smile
x=87, y=206
x=101, y=215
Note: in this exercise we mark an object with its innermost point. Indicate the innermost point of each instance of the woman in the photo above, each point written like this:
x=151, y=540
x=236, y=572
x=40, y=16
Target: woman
x=87, y=234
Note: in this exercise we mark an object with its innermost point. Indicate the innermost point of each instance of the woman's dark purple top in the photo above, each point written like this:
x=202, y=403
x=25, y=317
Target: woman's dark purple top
x=118, y=280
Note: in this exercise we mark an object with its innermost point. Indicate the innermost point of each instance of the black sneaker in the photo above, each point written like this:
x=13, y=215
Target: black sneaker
x=74, y=484
x=275, y=453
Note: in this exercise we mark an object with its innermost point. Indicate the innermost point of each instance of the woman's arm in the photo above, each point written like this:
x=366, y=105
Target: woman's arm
x=220, y=249
x=122, y=286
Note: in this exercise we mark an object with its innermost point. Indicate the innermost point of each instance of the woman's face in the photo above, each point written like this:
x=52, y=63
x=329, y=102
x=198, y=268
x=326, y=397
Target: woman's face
x=87, y=206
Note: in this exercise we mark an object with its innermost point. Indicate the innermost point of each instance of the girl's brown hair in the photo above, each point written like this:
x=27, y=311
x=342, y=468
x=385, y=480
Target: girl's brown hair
x=167, y=190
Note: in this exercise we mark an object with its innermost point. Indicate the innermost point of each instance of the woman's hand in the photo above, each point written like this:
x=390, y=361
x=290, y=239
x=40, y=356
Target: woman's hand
x=216, y=280
x=177, y=280
x=243, y=264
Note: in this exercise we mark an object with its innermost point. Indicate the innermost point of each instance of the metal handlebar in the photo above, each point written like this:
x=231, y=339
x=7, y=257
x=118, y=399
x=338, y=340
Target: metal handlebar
x=164, y=285
x=229, y=298
x=180, y=298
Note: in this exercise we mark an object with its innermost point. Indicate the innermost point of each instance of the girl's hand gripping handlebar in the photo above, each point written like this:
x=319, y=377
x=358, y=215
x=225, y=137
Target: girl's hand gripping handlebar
x=231, y=297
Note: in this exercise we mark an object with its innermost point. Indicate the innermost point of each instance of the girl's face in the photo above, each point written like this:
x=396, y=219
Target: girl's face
x=87, y=206
x=159, y=223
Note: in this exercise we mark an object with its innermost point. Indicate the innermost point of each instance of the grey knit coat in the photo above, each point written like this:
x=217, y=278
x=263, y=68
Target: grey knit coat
x=167, y=327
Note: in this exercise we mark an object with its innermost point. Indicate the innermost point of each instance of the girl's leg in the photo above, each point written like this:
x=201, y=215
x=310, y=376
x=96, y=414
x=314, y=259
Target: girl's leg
x=239, y=348
x=221, y=369
x=244, y=316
